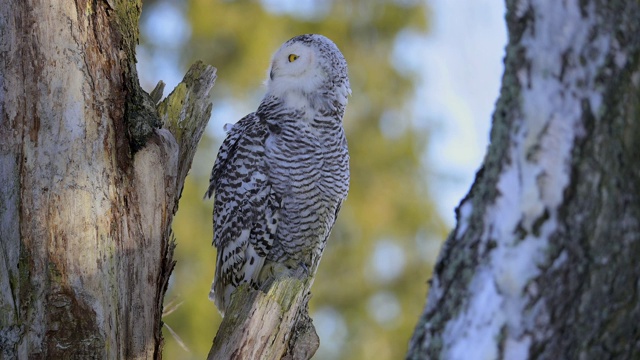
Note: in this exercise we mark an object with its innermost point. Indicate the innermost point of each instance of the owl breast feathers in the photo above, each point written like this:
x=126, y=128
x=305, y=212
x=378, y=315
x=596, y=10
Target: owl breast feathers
x=282, y=172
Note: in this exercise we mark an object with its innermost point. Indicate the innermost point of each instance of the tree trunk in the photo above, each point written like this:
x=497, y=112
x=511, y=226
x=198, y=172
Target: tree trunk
x=543, y=261
x=90, y=177
x=269, y=326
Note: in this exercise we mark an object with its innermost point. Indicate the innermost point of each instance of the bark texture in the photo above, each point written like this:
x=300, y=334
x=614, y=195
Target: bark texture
x=90, y=177
x=273, y=325
x=543, y=261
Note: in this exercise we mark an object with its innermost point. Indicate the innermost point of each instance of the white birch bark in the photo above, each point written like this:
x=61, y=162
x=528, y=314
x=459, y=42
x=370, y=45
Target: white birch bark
x=543, y=261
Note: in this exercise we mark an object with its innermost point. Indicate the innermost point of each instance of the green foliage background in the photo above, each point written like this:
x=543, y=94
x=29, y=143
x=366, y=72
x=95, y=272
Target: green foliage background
x=371, y=284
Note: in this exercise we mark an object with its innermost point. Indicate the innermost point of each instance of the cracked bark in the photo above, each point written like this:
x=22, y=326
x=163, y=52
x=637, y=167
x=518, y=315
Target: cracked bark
x=579, y=61
x=91, y=171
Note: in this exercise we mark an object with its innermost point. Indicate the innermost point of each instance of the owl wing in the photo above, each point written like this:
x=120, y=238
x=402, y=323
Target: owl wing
x=246, y=208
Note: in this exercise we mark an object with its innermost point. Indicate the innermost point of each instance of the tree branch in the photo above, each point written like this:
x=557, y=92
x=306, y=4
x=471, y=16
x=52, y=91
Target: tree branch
x=162, y=164
x=185, y=114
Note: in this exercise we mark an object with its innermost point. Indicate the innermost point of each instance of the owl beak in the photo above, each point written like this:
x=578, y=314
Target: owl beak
x=271, y=74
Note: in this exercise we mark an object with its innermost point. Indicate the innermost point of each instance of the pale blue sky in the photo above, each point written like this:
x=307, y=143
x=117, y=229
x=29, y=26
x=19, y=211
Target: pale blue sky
x=462, y=68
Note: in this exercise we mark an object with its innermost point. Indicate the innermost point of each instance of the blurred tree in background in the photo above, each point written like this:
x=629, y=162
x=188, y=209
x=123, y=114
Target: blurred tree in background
x=371, y=284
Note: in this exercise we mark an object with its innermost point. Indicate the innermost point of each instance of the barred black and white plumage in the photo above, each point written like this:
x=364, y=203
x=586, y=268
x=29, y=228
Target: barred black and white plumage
x=282, y=173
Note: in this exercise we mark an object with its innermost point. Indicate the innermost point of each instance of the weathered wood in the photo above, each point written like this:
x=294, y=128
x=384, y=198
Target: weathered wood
x=271, y=325
x=543, y=261
x=185, y=113
x=89, y=182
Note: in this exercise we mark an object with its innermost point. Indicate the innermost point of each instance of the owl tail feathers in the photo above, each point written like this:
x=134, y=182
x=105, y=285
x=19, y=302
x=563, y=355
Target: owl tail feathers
x=218, y=289
x=209, y=192
x=220, y=296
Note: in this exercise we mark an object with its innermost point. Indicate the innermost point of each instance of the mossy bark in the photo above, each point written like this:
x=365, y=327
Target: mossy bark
x=90, y=177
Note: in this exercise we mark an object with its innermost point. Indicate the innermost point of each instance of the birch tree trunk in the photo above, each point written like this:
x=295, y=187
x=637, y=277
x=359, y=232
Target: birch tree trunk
x=90, y=176
x=543, y=262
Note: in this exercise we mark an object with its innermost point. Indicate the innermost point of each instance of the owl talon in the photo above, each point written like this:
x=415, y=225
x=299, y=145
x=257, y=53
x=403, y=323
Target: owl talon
x=302, y=271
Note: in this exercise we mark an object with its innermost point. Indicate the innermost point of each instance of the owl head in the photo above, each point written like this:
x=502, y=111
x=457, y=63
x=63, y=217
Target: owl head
x=309, y=68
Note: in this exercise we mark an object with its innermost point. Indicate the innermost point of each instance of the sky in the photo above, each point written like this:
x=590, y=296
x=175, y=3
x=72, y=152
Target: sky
x=462, y=69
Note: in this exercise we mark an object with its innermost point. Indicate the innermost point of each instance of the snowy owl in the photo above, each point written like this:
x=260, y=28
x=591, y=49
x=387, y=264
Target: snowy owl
x=282, y=172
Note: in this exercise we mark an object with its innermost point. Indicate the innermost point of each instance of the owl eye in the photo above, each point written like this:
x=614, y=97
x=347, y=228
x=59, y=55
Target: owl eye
x=293, y=57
